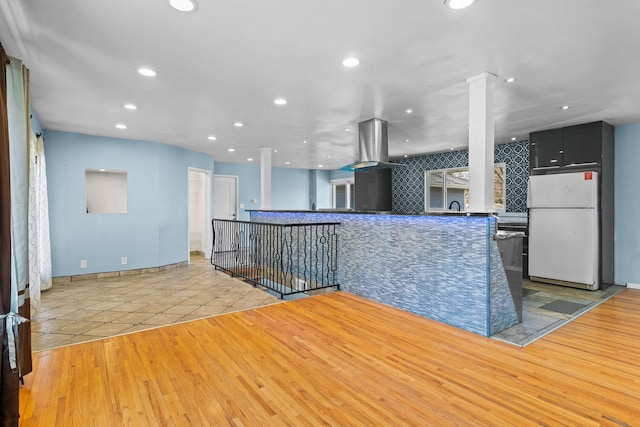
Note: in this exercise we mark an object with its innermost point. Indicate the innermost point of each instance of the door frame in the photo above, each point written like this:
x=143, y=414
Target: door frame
x=207, y=211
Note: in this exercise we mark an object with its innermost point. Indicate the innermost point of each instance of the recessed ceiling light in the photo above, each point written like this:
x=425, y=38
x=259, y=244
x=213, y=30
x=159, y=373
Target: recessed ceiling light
x=304, y=142
x=147, y=72
x=451, y=149
x=121, y=126
x=320, y=166
x=211, y=138
x=249, y=159
x=287, y=163
x=514, y=138
x=406, y=155
x=458, y=4
x=102, y=170
x=275, y=151
x=347, y=129
x=565, y=107
x=510, y=79
x=280, y=101
x=406, y=140
x=231, y=150
x=184, y=5
x=328, y=157
x=408, y=111
x=130, y=107
x=238, y=124
x=351, y=62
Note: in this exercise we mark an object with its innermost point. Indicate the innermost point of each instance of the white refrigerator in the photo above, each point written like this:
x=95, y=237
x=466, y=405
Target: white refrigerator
x=564, y=242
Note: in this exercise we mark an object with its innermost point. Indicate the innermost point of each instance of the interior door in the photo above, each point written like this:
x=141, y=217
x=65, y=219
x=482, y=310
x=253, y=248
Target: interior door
x=225, y=201
x=225, y=197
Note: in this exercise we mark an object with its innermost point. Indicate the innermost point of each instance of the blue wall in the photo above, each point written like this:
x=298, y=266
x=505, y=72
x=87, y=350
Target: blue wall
x=290, y=188
x=154, y=230
x=627, y=204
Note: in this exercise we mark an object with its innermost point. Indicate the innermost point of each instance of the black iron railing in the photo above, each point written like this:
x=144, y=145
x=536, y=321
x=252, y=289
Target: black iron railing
x=285, y=258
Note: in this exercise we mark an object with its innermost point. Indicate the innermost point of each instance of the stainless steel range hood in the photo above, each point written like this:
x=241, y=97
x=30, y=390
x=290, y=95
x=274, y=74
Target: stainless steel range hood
x=374, y=147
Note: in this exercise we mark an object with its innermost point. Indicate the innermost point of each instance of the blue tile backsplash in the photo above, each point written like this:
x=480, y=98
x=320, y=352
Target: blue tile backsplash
x=408, y=182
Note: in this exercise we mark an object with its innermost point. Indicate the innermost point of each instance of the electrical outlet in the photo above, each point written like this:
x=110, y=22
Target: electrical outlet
x=123, y=260
x=83, y=263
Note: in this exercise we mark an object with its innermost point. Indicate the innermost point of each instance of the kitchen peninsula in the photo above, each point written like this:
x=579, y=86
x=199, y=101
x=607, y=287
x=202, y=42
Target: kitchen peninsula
x=446, y=267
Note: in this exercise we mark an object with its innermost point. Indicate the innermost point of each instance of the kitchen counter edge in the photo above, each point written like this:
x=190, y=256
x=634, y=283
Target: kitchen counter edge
x=351, y=212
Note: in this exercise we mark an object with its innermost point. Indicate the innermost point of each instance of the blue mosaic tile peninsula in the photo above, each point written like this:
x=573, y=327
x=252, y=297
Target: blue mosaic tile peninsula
x=444, y=267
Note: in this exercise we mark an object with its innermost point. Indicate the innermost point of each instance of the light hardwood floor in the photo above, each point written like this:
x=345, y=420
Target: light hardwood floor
x=341, y=360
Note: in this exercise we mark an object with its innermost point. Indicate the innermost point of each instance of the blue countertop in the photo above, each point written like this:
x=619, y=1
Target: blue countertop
x=349, y=211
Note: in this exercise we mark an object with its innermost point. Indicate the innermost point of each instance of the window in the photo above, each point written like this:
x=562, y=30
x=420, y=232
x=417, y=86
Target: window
x=342, y=193
x=436, y=195
x=447, y=190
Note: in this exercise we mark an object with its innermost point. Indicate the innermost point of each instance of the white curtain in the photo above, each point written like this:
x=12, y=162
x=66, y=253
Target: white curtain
x=39, y=243
x=19, y=129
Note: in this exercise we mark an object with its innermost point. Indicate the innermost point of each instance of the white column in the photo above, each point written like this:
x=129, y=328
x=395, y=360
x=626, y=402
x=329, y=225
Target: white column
x=481, y=141
x=265, y=178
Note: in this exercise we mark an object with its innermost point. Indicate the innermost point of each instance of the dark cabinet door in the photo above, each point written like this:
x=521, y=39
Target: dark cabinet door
x=546, y=148
x=373, y=190
x=583, y=144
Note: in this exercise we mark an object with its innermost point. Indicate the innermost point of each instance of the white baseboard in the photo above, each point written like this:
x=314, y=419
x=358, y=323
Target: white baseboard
x=633, y=285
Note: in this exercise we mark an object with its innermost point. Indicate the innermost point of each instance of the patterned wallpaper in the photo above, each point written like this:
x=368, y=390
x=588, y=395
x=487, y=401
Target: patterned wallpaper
x=408, y=182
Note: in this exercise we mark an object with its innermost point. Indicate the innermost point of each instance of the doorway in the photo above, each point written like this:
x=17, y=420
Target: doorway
x=199, y=213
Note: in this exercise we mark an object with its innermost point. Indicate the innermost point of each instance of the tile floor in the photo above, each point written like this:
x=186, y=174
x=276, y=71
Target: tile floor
x=548, y=307
x=86, y=310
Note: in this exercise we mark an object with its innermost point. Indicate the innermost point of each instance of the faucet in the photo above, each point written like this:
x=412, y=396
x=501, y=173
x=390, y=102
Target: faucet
x=451, y=205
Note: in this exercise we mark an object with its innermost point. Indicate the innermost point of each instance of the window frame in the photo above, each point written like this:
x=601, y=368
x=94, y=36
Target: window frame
x=349, y=184
x=444, y=208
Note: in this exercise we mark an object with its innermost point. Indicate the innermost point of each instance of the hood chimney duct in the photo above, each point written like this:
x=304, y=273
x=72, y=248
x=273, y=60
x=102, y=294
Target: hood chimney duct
x=373, y=146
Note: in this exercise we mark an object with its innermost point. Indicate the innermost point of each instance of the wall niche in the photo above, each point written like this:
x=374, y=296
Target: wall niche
x=106, y=191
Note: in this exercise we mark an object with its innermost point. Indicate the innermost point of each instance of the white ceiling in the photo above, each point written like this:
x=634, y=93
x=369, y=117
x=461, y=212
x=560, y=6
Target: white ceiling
x=228, y=62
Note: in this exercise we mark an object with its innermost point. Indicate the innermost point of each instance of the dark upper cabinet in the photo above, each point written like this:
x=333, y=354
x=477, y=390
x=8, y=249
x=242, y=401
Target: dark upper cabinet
x=545, y=148
x=583, y=143
x=571, y=146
